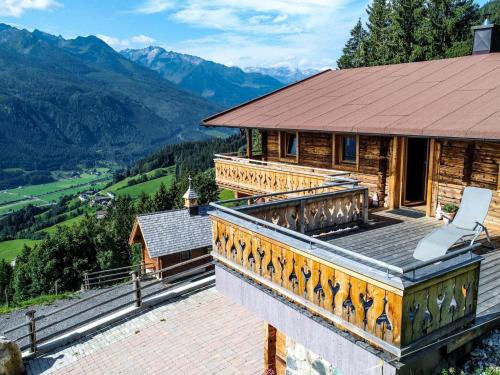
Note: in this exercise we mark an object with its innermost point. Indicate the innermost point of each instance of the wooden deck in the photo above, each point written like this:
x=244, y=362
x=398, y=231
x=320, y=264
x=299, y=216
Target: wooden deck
x=391, y=236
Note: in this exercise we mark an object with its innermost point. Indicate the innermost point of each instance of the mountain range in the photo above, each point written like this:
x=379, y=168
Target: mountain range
x=284, y=74
x=64, y=102
x=70, y=102
x=224, y=85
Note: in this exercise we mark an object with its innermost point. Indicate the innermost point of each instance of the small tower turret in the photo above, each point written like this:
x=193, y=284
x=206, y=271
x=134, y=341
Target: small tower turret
x=191, y=199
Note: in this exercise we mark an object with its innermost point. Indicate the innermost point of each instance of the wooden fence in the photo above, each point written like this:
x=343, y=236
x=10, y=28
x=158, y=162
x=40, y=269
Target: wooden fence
x=104, y=278
x=34, y=324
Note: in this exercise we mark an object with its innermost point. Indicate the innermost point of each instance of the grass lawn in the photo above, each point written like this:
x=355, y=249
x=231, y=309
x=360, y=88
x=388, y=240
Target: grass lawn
x=46, y=299
x=10, y=249
x=149, y=187
x=226, y=194
x=124, y=183
x=65, y=223
x=49, y=192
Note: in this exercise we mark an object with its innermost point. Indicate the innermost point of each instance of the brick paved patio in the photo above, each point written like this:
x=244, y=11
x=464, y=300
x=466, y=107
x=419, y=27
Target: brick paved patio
x=203, y=333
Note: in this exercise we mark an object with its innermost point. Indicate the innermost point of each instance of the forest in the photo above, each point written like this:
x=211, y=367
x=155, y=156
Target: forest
x=92, y=244
x=401, y=31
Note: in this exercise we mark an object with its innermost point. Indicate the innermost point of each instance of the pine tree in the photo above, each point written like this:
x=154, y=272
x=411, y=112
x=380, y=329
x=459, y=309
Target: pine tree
x=379, y=51
x=406, y=20
x=163, y=199
x=145, y=204
x=445, y=30
x=354, y=52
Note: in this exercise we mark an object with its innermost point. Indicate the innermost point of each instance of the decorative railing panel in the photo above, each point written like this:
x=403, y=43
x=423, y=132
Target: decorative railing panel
x=396, y=319
x=254, y=177
x=308, y=213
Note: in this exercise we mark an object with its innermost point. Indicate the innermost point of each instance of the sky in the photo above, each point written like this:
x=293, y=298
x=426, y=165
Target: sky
x=266, y=33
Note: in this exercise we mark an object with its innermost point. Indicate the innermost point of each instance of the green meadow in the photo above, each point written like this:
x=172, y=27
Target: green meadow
x=10, y=249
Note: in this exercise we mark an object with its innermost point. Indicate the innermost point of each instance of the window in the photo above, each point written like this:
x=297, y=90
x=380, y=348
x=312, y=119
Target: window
x=346, y=150
x=290, y=144
x=185, y=255
x=349, y=149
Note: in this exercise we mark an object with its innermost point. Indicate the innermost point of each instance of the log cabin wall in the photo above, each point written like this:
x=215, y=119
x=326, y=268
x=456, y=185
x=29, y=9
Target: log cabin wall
x=467, y=163
x=172, y=259
x=152, y=264
x=316, y=150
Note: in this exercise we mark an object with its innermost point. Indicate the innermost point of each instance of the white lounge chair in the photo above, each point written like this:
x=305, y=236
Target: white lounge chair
x=468, y=224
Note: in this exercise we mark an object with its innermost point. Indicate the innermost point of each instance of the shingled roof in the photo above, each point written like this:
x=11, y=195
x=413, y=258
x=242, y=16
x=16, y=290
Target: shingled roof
x=174, y=231
x=457, y=97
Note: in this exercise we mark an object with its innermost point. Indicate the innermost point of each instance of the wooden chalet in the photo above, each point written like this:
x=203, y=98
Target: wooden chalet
x=171, y=237
x=350, y=169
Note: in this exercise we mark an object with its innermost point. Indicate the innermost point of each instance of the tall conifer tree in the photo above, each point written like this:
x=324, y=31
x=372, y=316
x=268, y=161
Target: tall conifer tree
x=379, y=22
x=354, y=52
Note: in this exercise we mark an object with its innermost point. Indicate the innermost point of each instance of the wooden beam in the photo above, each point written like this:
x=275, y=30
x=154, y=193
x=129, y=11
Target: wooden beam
x=498, y=175
x=269, y=347
x=429, y=210
x=297, y=151
x=395, y=173
x=248, y=134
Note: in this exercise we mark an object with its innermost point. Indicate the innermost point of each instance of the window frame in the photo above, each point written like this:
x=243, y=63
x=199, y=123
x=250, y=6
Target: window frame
x=338, y=152
x=284, y=137
x=182, y=256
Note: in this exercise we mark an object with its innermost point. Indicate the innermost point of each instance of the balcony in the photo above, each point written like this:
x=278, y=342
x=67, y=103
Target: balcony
x=252, y=176
x=326, y=254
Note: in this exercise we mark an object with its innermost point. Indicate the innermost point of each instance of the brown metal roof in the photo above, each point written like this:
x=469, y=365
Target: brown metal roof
x=457, y=97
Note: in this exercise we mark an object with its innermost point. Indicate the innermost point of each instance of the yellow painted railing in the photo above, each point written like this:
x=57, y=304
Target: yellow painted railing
x=389, y=308
x=252, y=176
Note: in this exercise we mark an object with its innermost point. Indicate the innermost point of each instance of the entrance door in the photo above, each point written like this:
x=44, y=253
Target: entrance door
x=417, y=155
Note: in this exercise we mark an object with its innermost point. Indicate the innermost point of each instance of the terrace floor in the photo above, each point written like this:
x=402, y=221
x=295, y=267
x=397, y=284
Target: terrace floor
x=202, y=333
x=391, y=236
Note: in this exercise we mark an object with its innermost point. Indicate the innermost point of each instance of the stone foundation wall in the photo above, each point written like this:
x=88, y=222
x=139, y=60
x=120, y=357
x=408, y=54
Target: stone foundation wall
x=301, y=361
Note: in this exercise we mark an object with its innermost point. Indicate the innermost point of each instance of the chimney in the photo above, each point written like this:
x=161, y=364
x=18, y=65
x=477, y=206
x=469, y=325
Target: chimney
x=191, y=199
x=486, y=37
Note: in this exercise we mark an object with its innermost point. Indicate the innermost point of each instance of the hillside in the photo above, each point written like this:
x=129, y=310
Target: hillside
x=69, y=102
x=221, y=84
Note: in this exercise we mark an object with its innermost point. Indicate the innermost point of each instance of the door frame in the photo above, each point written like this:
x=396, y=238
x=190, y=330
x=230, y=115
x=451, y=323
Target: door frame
x=404, y=165
x=397, y=172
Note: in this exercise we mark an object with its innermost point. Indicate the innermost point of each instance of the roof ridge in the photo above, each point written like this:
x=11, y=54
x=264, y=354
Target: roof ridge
x=172, y=210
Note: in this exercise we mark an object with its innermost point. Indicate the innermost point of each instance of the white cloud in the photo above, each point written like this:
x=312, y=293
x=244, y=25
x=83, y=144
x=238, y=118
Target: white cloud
x=16, y=8
x=295, y=33
x=137, y=41
x=154, y=6
x=142, y=39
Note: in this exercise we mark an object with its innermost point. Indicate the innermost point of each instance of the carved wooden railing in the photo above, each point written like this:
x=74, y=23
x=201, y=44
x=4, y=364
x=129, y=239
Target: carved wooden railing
x=391, y=309
x=315, y=212
x=255, y=176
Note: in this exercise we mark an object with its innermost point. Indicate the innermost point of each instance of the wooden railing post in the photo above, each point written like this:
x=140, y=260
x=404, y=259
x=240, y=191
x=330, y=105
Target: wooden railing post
x=136, y=283
x=86, y=280
x=302, y=212
x=30, y=320
x=366, y=202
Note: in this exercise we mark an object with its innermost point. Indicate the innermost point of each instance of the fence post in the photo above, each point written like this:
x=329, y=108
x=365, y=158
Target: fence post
x=86, y=280
x=136, y=283
x=30, y=320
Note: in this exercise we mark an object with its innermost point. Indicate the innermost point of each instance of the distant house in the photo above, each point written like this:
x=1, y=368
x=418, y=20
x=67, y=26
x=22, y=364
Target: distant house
x=101, y=201
x=101, y=214
x=174, y=236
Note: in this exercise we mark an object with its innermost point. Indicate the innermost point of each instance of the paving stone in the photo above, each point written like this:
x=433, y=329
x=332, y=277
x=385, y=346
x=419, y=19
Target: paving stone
x=194, y=338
